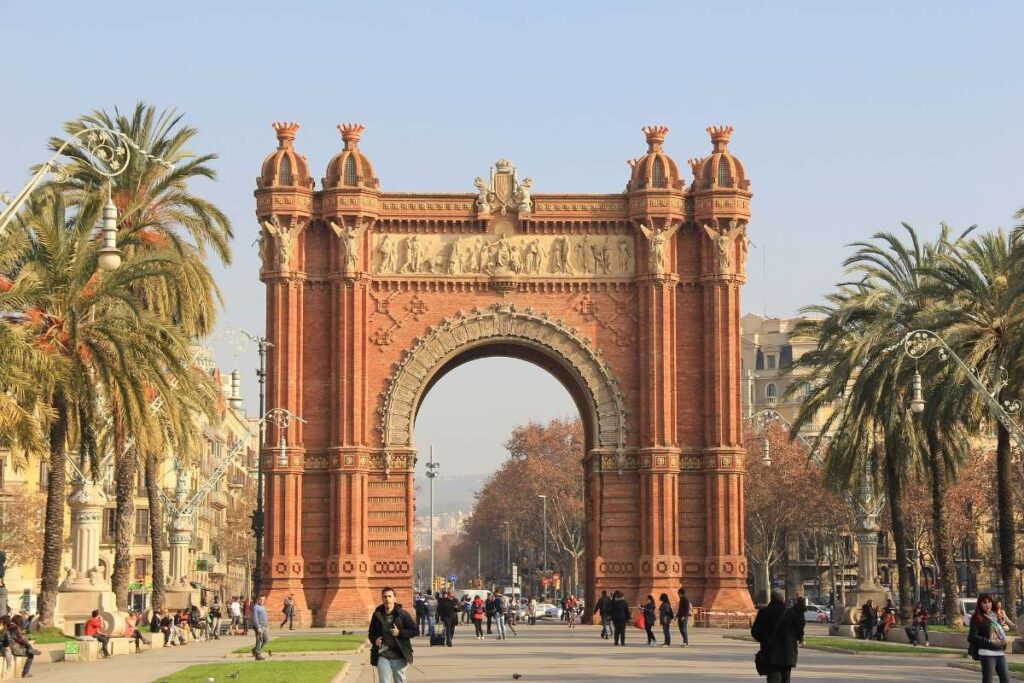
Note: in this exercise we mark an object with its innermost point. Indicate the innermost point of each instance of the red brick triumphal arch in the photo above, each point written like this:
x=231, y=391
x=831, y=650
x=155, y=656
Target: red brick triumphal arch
x=631, y=300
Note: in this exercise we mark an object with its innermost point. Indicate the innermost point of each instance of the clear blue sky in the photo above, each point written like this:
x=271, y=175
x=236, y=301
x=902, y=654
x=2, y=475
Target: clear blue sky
x=849, y=117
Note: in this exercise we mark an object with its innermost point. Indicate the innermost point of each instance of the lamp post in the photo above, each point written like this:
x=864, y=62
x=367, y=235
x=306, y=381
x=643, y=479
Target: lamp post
x=545, y=572
x=432, y=468
x=508, y=547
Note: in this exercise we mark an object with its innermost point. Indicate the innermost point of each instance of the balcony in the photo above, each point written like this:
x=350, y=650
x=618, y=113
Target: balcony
x=218, y=500
x=9, y=489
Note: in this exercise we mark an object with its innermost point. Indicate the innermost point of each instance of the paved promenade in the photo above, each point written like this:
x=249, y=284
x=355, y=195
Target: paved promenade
x=549, y=653
x=552, y=653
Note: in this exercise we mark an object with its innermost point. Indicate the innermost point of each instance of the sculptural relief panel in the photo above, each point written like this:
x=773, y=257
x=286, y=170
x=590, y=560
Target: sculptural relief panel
x=562, y=256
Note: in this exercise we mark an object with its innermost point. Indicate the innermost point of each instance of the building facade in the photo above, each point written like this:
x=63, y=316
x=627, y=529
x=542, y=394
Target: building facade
x=630, y=299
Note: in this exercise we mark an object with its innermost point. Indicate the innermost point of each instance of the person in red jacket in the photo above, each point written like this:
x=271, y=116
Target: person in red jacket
x=94, y=628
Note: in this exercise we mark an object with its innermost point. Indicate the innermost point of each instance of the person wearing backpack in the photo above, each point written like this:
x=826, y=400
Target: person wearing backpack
x=476, y=613
x=778, y=629
x=986, y=641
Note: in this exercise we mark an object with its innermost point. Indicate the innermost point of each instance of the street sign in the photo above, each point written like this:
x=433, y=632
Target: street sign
x=453, y=578
x=515, y=574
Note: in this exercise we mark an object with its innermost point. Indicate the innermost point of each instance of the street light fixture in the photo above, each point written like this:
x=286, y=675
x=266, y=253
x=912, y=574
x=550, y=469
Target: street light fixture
x=545, y=499
x=109, y=254
x=508, y=548
x=432, y=468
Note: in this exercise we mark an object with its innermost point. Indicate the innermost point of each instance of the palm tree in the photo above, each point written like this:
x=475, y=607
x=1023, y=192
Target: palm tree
x=157, y=215
x=100, y=347
x=984, y=281
x=855, y=365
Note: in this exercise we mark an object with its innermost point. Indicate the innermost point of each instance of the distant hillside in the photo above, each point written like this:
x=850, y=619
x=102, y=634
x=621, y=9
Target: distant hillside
x=451, y=493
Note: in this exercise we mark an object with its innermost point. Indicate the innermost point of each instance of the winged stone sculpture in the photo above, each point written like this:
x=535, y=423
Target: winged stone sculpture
x=657, y=240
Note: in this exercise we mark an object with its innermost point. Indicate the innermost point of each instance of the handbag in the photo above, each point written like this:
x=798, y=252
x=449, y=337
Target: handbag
x=761, y=657
x=638, y=621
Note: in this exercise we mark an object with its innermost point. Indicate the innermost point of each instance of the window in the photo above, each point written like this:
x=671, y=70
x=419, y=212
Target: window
x=658, y=173
x=3, y=465
x=140, y=569
x=44, y=476
x=723, y=171
x=759, y=360
x=802, y=390
x=785, y=356
x=772, y=393
x=141, y=525
x=771, y=361
x=350, y=171
x=109, y=522
x=140, y=482
x=285, y=176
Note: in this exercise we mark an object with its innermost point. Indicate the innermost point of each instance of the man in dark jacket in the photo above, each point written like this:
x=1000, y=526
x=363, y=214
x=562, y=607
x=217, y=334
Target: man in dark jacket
x=683, y=616
x=778, y=629
x=391, y=629
x=618, y=611
x=448, y=615
x=603, y=608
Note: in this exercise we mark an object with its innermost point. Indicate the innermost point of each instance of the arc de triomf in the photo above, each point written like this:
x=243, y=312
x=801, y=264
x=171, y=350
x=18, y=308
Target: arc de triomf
x=631, y=300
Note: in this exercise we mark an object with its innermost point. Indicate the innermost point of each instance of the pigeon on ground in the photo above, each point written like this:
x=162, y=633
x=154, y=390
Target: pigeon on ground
x=234, y=675
x=517, y=676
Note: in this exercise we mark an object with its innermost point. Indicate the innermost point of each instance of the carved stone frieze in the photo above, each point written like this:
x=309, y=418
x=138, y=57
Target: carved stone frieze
x=502, y=323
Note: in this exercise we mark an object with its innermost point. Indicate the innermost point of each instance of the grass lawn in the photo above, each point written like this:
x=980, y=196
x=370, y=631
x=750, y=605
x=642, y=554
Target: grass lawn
x=876, y=646
x=46, y=636
x=318, y=671
x=324, y=643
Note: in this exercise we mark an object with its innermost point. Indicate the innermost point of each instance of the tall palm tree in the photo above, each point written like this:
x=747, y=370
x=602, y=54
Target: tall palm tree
x=857, y=365
x=984, y=281
x=100, y=346
x=157, y=215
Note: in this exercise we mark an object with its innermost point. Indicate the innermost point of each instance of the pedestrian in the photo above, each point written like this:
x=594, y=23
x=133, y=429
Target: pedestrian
x=288, y=610
x=236, y=616
x=886, y=623
x=919, y=624
x=986, y=641
x=683, y=616
x=476, y=613
x=489, y=611
x=247, y=621
x=390, y=633
x=131, y=629
x=94, y=628
x=666, y=616
x=867, y=620
x=778, y=629
x=618, y=612
x=261, y=626
x=648, y=609
x=448, y=615
x=5, y=645
x=601, y=609
x=216, y=614
x=464, y=608
x=19, y=645
x=419, y=606
x=531, y=607
x=430, y=605
x=500, y=606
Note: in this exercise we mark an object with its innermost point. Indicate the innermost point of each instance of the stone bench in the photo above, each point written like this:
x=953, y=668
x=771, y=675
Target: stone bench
x=89, y=650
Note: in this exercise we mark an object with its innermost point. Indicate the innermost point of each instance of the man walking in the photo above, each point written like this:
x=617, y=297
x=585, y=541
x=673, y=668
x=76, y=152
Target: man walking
x=391, y=629
x=236, y=616
x=778, y=629
x=489, y=610
x=602, y=609
x=448, y=615
x=619, y=614
x=430, y=605
x=499, y=615
x=683, y=617
x=261, y=625
x=216, y=614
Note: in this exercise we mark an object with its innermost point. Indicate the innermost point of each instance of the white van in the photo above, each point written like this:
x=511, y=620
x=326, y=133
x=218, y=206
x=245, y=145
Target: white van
x=966, y=607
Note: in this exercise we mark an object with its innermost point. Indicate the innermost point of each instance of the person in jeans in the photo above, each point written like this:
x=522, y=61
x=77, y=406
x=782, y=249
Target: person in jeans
x=19, y=645
x=920, y=624
x=390, y=633
x=289, y=612
x=261, y=625
x=988, y=639
x=430, y=607
x=216, y=614
x=499, y=615
x=665, y=618
x=5, y=644
x=601, y=608
x=94, y=628
x=683, y=616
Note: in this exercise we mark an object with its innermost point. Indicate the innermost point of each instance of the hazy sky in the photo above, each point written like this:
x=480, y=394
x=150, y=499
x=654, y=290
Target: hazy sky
x=849, y=117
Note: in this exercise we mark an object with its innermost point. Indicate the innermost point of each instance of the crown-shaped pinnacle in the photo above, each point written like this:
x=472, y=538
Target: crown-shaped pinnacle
x=285, y=131
x=720, y=136
x=655, y=137
x=350, y=133
x=695, y=164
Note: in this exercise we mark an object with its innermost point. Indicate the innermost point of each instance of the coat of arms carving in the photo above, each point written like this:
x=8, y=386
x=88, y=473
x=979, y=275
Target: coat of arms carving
x=504, y=192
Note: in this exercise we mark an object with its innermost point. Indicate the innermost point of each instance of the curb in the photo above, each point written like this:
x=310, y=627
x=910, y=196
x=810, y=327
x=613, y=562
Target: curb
x=300, y=653
x=340, y=676
x=975, y=668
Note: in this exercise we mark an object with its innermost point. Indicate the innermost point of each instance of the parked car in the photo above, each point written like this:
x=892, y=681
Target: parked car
x=546, y=609
x=817, y=614
x=967, y=607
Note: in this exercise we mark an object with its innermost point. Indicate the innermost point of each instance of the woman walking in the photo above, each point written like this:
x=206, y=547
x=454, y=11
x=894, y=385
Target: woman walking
x=987, y=639
x=648, y=612
x=665, y=616
x=476, y=612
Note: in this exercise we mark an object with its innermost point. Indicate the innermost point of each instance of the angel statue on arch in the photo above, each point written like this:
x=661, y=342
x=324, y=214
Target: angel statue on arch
x=285, y=241
x=658, y=239
x=723, y=241
x=350, y=236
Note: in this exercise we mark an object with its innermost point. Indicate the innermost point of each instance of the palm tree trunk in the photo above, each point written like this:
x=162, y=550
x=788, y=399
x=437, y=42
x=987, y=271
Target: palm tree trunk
x=53, y=543
x=894, y=492
x=1005, y=510
x=124, y=528
x=155, y=531
x=942, y=538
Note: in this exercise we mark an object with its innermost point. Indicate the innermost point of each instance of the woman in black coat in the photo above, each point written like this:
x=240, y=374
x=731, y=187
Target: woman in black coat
x=987, y=641
x=448, y=615
x=618, y=612
x=665, y=618
x=778, y=629
x=649, y=610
